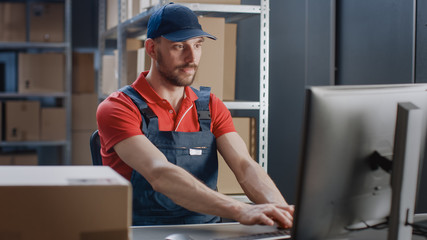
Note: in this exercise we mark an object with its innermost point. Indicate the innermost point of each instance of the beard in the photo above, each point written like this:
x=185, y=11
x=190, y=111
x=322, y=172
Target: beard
x=174, y=76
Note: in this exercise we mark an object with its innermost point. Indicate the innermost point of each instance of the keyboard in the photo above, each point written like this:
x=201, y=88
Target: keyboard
x=279, y=234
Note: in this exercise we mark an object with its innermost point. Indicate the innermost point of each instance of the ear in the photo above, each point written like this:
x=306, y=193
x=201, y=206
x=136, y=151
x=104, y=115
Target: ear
x=150, y=45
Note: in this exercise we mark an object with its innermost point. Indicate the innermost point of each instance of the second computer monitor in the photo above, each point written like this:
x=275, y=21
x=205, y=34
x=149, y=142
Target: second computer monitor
x=345, y=177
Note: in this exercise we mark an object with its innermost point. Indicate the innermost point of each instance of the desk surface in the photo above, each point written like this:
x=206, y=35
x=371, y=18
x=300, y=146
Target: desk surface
x=222, y=230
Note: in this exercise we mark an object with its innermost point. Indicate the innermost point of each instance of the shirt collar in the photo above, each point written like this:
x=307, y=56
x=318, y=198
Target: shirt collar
x=150, y=96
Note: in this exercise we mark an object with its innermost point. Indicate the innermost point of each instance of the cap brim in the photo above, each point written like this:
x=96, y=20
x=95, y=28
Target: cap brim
x=183, y=35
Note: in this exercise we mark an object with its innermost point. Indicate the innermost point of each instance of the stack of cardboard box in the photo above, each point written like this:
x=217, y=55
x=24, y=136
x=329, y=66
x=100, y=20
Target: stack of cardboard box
x=28, y=120
x=84, y=105
x=46, y=22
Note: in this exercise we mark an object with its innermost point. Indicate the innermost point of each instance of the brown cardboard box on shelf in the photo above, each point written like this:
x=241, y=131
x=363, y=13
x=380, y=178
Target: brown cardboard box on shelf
x=109, y=82
x=83, y=111
x=13, y=20
x=53, y=124
x=227, y=182
x=112, y=18
x=230, y=61
x=211, y=66
x=46, y=22
x=80, y=147
x=22, y=120
x=132, y=66
x=144, y=61
x=83, y=73
x=64, y=202
x=133, y=8
x=5, y=160
x=41, y=72
x=209, y=1
x=25, y=159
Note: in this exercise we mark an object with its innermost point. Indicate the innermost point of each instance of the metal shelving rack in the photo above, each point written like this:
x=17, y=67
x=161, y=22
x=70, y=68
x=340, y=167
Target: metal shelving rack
x=136, y=26
x=65, y=96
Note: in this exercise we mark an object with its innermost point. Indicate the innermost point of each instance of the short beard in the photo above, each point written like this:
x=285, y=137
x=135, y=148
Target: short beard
x=170, y=77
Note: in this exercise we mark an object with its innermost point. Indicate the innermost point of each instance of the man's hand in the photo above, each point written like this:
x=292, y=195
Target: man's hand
x=267, y=214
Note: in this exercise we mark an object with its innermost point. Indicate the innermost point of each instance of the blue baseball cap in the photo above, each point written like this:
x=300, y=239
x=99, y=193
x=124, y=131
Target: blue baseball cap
x=176, y=23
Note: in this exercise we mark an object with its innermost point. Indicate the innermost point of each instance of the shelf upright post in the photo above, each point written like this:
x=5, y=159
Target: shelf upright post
x=101, y=42
x=68, y=78
x=121, y=45
x=264, y=79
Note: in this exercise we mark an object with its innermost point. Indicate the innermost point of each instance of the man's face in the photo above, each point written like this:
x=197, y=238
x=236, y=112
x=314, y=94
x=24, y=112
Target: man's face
x=177, y=62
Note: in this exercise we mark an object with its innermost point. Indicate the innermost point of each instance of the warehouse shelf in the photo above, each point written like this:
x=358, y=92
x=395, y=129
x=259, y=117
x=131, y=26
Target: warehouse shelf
x=34, y=95
x=26, y=45
x=64, y=47
x=33, y=143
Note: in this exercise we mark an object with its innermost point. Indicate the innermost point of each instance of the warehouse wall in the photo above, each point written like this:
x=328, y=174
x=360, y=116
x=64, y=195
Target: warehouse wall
x=372, y=46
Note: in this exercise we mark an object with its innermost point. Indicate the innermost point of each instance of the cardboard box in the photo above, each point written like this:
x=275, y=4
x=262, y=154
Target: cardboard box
x=133, y=8
x=112, y=18
x=144, y=61
x=144, y=5
x=227, y=182
x=84, y=107
x=109, y=81
x=64, y=202
x=42, y=72
x=230, y=38
x=81, y=154
x=46, y=22
x=211, y=67
x=22, y=120
x=132, y=67
x=133, y=44
x=83, y=73
x=5, y=159
x=53, y=124
x=13, y=20
x=25, y=159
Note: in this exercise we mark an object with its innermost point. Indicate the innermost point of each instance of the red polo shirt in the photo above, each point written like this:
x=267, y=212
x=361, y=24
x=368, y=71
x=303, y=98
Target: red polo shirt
x=118, y=118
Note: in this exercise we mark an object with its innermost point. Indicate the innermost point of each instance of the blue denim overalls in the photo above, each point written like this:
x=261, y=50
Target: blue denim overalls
x=196, y=152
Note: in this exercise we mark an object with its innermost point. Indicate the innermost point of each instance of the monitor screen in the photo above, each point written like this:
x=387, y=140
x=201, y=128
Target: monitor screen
x=338, y=188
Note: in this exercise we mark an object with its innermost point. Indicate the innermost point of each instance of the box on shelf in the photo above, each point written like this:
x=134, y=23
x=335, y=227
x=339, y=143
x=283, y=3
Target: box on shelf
x=83, y=73
x=132, y=66
x=211, y=66
x=13, y=20
x=41, y=72
x=109, y=81
x=46, y=22
x=25, y=159
x=53, y=124
x=80, y=147
x=133, y=8
x=227, y=182
x=5, y=160
x=230, y=38
x=83, y=112
x=22, y=120
x=112, y=18
x=144, y=61
x=64, y=202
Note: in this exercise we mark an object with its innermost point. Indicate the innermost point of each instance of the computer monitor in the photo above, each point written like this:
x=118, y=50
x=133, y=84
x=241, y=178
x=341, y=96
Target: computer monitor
x=354, y=143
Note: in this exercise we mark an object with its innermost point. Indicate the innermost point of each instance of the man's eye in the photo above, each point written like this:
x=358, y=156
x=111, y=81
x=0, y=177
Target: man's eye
x=179, y=46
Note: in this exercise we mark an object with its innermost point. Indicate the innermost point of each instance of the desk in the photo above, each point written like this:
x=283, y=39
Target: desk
x=222, y=230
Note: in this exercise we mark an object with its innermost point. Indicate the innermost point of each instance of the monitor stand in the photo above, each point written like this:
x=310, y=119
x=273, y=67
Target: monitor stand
x=404, y=177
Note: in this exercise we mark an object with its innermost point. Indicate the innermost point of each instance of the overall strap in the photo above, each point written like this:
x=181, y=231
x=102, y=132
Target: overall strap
x=202, y=106
x=150, y=122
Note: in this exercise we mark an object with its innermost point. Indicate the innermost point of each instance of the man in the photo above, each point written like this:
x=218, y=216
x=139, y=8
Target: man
x=163, y=136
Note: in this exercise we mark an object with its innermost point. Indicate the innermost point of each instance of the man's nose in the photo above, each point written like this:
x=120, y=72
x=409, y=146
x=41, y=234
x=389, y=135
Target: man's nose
x=190, y=55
